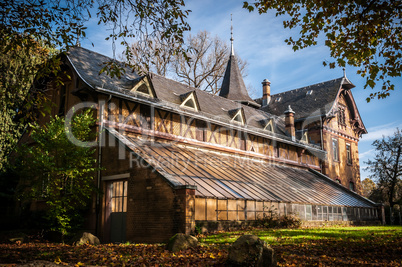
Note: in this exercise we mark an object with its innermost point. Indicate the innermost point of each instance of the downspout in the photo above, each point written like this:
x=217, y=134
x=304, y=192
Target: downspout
x=100, y=142
x=322, y=141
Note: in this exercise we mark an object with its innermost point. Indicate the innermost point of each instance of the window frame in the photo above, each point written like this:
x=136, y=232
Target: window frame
x=335, y=149
x=349, y=159
x=342, y=115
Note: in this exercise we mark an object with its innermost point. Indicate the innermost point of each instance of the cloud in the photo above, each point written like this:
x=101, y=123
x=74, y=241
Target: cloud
x=366, y=154
x=377, y=132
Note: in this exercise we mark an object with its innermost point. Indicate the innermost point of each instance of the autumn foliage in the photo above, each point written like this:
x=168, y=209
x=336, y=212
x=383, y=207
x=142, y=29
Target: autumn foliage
x=379, y=246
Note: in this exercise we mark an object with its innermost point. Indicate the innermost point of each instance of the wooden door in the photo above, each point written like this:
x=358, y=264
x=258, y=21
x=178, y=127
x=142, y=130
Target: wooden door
x=117, y=210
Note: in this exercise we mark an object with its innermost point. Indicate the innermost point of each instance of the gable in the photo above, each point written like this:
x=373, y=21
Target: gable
x=347, y=113
x=143, y=87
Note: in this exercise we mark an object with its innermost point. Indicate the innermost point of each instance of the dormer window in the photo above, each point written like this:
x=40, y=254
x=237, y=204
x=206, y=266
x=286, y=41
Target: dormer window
x=143, y=87
x=305, y=136
x=237, y=116
x=189, y=100
x=309, y=92
x=269, y=126
x=278, y=99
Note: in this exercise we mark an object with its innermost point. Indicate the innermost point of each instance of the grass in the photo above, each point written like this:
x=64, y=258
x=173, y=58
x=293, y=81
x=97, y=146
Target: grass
x=332, y=246
x=277, y=236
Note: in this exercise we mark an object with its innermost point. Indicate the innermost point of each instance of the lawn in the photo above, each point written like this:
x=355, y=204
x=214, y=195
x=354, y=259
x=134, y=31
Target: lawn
x=335, y=246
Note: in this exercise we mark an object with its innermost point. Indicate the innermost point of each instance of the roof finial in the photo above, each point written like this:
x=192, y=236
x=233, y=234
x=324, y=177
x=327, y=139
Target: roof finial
x=344, y=72
x=231, y=35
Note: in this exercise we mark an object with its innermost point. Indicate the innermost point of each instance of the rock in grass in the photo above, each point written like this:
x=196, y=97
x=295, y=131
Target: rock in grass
x=249, y=250
x=86, y=238
x=181, y=242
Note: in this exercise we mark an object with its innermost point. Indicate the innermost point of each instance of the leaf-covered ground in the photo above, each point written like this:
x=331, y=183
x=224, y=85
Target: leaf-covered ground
x=376, y=246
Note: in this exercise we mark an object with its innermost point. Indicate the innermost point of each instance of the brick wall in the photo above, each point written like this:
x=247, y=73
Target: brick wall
x=155, y=209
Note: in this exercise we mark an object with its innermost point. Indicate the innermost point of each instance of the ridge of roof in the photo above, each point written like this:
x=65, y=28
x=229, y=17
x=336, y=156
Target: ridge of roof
x=308, y=86
x=311, y=100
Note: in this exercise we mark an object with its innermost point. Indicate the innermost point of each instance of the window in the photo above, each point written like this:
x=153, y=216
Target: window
x=335, y=149
x=269, y=126
x=190, y=103
x=348, y=154
x=305, y=136
x=341, y=116
x=143, y=87
x=118, y=196
x=351, y=186
x=238, y=116
x=189, y=100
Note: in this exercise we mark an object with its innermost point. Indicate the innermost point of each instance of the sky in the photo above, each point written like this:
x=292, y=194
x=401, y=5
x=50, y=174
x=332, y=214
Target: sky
x=259, y=39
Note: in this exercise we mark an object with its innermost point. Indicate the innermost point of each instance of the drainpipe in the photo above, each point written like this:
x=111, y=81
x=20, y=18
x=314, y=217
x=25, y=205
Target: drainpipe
x=100, y=142
x=322, y=141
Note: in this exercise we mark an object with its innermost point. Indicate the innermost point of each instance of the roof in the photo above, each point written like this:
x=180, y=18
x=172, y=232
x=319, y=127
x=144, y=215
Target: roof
x=88, y=65
x=309, y=101
x=233, y=86
x=168, y=92
x=230, y=176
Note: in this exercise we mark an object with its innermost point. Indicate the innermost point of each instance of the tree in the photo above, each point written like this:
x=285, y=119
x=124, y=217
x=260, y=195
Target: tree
x=386, y=168
x=62, y=23
x=363, y=34
x=202, y=67
x=368, y=186
x=58, y=172
x=28, y=27
x=155, y=55
x=16, y=78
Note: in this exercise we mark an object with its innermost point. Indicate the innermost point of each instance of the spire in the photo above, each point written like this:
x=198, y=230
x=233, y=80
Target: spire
x=233, y=86
x=231, y=36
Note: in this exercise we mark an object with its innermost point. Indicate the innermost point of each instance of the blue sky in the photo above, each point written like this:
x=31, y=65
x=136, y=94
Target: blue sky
x=259, y=39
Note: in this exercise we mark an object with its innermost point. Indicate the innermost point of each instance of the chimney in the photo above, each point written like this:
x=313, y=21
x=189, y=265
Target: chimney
x=290, y=122
x=266, y=92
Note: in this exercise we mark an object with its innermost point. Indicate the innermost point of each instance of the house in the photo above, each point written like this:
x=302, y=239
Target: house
x=327, y=115
x=175, y=156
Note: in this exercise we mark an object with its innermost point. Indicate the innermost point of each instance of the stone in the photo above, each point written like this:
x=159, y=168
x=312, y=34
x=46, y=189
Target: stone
x=181, y=242
x=18, y=240
x=249, y=250
x=86, y=238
